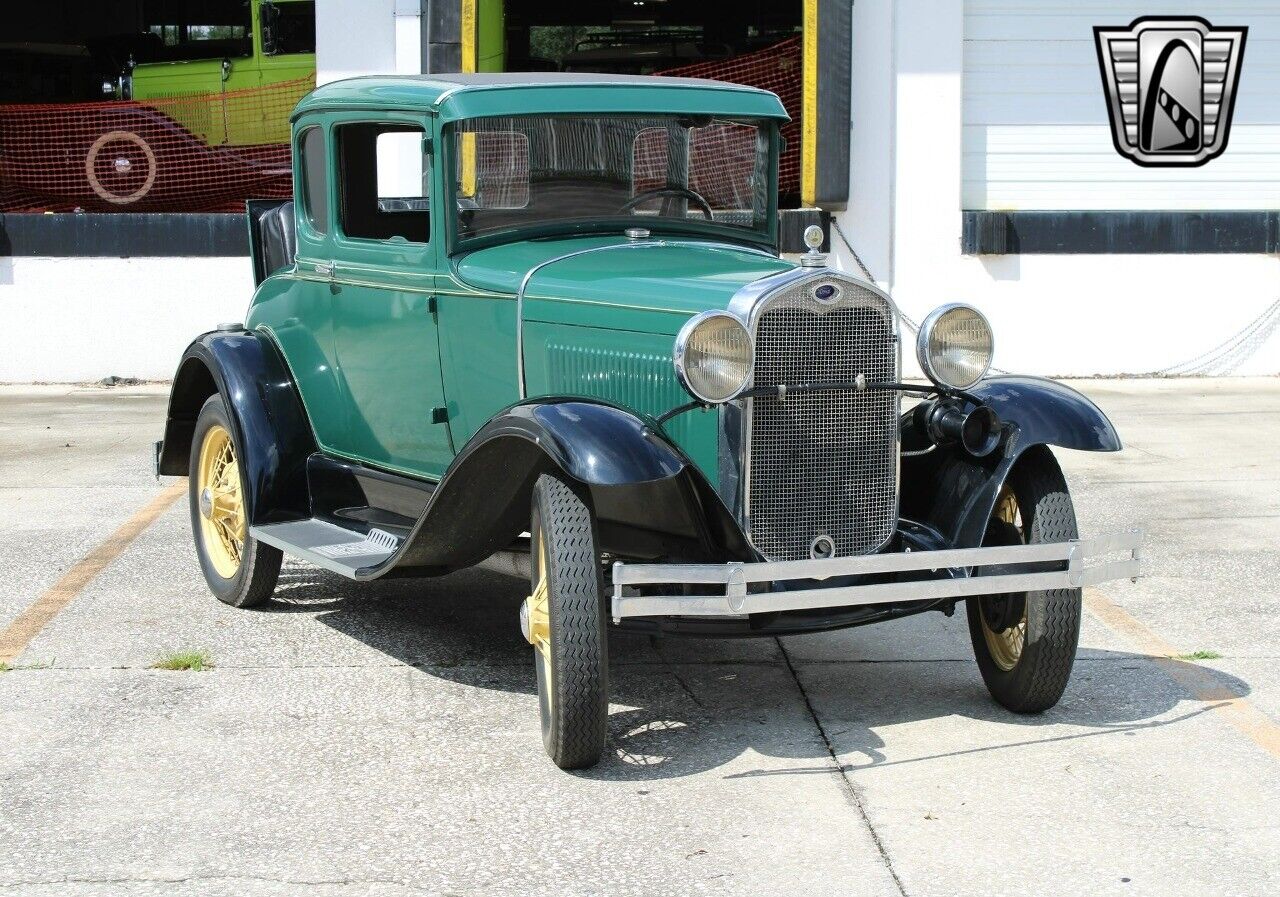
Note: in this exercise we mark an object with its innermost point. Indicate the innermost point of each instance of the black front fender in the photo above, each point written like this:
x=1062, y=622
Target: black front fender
x=1047, y=413
x=266, y=412
x=649, y=500
x=955, y=492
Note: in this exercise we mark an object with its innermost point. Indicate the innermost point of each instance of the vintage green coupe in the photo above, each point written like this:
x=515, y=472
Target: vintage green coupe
x=540, y=323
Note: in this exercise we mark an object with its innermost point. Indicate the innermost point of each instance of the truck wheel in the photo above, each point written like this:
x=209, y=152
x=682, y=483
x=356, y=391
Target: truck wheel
x=564, y=621
x=238, y=568
x=1025, y=643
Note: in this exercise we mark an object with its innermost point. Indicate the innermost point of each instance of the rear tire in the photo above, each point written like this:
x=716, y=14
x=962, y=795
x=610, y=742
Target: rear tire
x=564, y=620
x=1025, y=644
x=240, y=570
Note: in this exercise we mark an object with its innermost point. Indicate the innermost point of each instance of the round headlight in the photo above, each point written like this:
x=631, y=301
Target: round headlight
x=955, y=345
x=713, y=356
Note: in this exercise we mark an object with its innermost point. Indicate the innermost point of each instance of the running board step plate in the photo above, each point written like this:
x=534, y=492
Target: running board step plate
x=329, y=546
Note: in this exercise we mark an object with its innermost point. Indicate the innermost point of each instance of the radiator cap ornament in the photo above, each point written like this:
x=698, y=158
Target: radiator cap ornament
x=813, y=238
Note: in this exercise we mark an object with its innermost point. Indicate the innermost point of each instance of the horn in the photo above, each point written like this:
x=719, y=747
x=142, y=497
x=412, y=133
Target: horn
x=977, y=431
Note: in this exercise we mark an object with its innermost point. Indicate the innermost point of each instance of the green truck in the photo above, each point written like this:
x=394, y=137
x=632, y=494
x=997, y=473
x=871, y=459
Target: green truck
x=234, y=47
x=199, y=118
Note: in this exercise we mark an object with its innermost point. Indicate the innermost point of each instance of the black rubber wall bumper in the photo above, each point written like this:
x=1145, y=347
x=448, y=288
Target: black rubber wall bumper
x=120, y=235
x=203, y=234
x=984, y=233
x=1105, y=232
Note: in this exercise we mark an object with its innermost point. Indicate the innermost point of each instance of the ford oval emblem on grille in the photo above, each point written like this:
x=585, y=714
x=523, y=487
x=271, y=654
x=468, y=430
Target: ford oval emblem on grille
x=826, y=293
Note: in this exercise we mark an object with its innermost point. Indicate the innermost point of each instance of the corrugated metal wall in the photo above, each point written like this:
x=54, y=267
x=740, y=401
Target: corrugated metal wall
x=1036, y=134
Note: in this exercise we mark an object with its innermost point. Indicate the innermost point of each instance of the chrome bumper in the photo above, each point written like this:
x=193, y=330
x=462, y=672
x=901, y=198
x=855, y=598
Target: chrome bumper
x=1086, y=565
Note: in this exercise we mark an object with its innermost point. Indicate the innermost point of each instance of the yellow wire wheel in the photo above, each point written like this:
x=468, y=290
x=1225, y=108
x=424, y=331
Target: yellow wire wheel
x=564, y=622
x=1006, y=644
x=238, y=569
x=222, y=520
x=540, y=618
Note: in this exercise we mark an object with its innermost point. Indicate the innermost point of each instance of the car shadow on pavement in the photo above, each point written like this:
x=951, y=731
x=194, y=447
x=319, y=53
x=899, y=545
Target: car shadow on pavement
x=686, y=706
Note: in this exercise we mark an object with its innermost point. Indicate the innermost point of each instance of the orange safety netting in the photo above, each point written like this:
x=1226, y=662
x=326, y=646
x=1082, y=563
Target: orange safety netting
x=173, y=154
x=775, y=68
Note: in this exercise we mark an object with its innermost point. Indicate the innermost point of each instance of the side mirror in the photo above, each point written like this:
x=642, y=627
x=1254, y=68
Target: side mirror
x=268, y=16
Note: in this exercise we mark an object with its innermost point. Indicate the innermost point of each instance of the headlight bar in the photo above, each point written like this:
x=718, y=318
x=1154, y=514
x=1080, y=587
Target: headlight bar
x=783, y=390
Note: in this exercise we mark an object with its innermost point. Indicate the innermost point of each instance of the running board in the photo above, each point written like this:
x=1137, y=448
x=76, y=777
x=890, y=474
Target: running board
x=326, y=545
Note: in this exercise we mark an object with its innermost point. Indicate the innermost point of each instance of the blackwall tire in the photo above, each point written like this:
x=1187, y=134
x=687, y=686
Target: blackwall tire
x=566, y=624
x=1031, y=678
x=240, y=570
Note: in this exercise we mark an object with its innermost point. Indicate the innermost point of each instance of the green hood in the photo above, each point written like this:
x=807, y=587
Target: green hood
x=653, y=287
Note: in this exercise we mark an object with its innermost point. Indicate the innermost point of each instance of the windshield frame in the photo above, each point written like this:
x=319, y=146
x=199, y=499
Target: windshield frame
x=656, y=225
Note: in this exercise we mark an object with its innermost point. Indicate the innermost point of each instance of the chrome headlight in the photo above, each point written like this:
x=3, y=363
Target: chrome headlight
x=954, y=346
x=713, y=357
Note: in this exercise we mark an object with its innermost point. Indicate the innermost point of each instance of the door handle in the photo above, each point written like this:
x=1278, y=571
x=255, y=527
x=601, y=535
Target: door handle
x=324, y=268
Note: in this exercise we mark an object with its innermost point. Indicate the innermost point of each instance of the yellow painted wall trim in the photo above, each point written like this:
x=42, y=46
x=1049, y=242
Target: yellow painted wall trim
x=467, y=184
x=468, y=35
x=809, y=106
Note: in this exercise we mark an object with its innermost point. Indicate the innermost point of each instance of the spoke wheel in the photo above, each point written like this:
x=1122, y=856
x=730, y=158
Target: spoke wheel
x=1025, y=643
x=563, y=621
x=221, y=508
x=1004, y=617
x=237, y=568
x=539, y=636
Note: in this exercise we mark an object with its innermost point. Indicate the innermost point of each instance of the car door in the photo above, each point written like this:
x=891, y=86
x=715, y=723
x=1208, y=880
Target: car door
x=296, y=305
x=384, y=311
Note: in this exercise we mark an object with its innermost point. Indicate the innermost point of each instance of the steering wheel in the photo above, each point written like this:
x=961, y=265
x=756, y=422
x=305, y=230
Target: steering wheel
x=669, y=190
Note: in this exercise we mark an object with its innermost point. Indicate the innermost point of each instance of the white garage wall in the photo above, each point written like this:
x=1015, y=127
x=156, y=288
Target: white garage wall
x=80, y=319
x=367, y=37
x=1053, y=314
x=354, y=37
x=1036, y=134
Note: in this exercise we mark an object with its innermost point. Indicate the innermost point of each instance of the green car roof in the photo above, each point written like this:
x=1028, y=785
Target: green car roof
x=454, y=97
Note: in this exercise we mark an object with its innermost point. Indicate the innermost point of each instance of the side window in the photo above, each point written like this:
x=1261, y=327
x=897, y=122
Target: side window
x=383, y=179
x=315, y=197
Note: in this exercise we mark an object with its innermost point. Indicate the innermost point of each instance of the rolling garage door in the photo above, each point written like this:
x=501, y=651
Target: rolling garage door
x=1036, y=133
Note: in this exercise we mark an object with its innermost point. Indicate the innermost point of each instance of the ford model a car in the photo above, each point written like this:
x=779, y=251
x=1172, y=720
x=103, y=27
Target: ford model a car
x=540, y=323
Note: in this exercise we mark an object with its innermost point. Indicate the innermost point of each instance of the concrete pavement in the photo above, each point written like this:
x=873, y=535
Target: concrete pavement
x=384, y=739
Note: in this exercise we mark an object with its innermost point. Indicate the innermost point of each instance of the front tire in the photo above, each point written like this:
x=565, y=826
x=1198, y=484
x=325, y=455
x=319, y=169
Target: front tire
x=239, y=569
x=564, y=621
x=1025, y=643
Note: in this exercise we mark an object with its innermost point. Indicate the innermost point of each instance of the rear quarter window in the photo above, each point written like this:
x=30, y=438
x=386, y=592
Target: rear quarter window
x=314, y=194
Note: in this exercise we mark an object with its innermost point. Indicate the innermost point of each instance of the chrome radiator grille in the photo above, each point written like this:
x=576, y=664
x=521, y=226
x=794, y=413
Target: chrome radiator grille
x=823, y=463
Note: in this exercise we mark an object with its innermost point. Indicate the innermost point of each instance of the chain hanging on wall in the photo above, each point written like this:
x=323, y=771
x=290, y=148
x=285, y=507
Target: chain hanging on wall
x=906, y=319
x=1223, y=359
x=1226, y=357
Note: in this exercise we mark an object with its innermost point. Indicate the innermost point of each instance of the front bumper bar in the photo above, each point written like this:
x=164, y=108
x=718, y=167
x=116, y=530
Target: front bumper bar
x=1085, y=566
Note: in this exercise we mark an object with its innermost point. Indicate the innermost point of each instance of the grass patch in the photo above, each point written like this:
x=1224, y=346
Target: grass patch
x=11, y=667
x=196, y=661
x=1199, y=655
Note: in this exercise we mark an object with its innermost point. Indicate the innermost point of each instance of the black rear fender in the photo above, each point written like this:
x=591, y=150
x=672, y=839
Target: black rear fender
x=955, y=493
x=266, y=412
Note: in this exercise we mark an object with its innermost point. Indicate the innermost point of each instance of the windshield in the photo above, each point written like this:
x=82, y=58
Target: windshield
x=593, y=172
